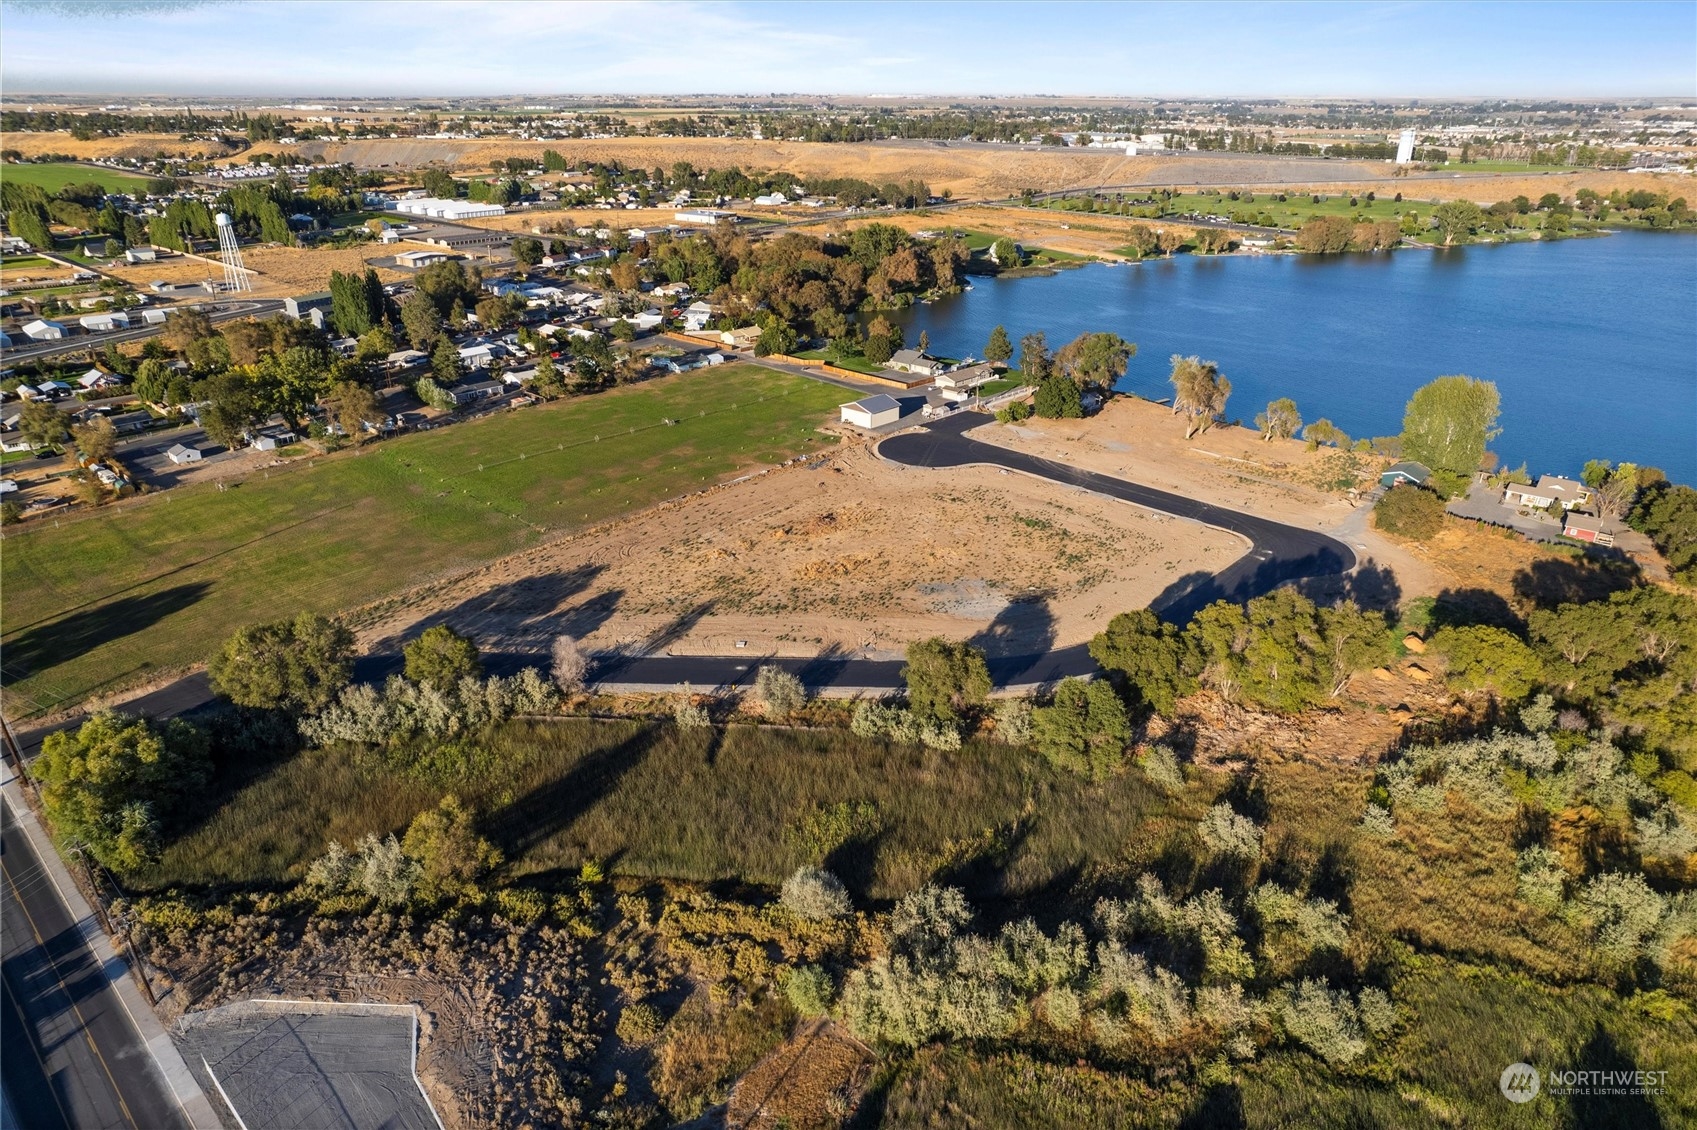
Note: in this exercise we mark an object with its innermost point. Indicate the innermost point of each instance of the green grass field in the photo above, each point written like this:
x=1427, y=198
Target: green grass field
x=691, y=804
x=858, y=364
x=54, y=177
x=157, y=582
x=25, y=263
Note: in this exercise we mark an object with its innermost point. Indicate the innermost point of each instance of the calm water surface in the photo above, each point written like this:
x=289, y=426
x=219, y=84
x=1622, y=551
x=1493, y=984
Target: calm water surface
x=1593, y=342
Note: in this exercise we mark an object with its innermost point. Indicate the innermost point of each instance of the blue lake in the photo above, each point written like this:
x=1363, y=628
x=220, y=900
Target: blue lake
x=1592, y=342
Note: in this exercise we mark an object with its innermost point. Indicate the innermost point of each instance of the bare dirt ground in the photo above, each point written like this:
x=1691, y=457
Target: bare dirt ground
x=129, y=145
x=1280, y=479
x=851, y=553
x=278, y=271
x=1072, y=232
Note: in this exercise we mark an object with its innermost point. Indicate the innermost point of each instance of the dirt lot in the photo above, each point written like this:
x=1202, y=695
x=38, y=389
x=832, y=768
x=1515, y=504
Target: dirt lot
x=1072, y=232
x=129, y=145
x=848, y=552
x=278, y=271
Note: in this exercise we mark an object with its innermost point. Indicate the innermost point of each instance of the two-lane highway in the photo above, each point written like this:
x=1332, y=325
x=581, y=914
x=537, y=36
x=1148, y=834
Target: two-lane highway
x=72, y=1055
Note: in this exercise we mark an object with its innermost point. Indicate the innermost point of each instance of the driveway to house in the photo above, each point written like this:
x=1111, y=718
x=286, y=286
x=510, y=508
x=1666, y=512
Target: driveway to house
x=1484, y=503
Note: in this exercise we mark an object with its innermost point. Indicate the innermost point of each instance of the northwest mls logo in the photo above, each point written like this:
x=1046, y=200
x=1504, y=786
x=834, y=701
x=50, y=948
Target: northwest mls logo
x=1519, y=1083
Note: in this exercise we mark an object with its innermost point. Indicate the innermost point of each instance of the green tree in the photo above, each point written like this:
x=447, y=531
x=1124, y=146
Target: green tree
x=1409, y=511
x=440, y=657
x=451, y=857
x=527, y=251
x=376, y=344
x=1458, y=219
x=1200, y=392
x=943, y=677
x=1483, y=658
x=41, y=424
x=115, y=781
x=297, y=665
x=96, y=440
x=350, y=305
x=1006, y=253
x=1058, y=399
x=1085, y=730
x=1281, y=420
x=998, y=349
x=352, y=405
x=1158, y=660
x=1095, y=360
x=777, y=337
x=547, y=381
x=1448, y=423
x=446, y=364
x=1272, y=653
x=421, y=320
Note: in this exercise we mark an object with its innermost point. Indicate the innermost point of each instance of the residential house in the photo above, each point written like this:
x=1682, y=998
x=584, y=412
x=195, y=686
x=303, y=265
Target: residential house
x=967, y=377
x=475, y=391
x=1408, y=471
x=913, y=361
x=99, y=378
x=873, y=412
x=478, y=356
x=181, y=453
x=687, y=362
x=130, y=423
x=52, y=390
x=404, y=359
x=302, y=305
x=136, y=255
x=1546, y=492
x=697, y=317
x=744, y=338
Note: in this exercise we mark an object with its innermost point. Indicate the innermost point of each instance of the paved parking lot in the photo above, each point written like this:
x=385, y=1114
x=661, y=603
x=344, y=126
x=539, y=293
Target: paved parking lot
x=287, y=1064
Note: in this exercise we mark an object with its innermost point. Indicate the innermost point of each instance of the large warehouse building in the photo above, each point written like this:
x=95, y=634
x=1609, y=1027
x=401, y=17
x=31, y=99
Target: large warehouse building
x=447, y=209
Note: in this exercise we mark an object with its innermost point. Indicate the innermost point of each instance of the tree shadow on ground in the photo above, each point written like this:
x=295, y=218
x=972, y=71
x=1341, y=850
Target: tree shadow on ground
x=1024, y=627
x=522, y=615
x=1608, y=1109
x=1371, y=586
x=1553, y=581
x=1221, y=1108
x=1458, y=608
x=59, y=641
x=553, y=807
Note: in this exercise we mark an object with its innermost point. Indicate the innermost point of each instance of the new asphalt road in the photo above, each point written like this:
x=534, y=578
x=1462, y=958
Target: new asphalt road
x=72, y=1057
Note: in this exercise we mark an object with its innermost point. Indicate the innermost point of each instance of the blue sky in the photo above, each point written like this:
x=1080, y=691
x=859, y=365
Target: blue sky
x=455, y=47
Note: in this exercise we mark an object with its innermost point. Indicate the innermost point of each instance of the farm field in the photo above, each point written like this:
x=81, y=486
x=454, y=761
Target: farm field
x=156, y=583
x=54, y=177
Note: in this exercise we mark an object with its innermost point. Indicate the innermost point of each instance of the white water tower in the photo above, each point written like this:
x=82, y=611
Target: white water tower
x=235, y=275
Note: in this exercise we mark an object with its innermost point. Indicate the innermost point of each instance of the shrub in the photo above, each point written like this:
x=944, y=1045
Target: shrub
x=638, y=1024
x=1085, y=730
x=1160, y=765
x=1378, y=1014
x=1324, y=1021
x=778, y=691
x=297, y=664
x=1013, y=721
x=821, y=831
x=450, y=855
x=815, y=894
x=1663, y=835
x=943, y=677
x=440, y=657
x=571, y=666
x=1378, y=822
x=1538, y=715
x=1410, y=512
x=1622, y=913
x=1013, y=412
x=809, y=990
x=403, y=711
x=1229, y=834
x=687, y=714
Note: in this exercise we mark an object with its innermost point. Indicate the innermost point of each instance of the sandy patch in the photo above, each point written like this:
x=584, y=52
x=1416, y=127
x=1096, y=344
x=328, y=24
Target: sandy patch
x=277, y=271
x=847, y=552
x=810, y=1083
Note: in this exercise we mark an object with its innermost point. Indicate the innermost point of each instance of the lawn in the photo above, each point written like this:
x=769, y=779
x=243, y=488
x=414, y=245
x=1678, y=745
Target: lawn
x=858, y=364
x=705, y=805
x=157, y=582
x=25, y=263
x=54, y=177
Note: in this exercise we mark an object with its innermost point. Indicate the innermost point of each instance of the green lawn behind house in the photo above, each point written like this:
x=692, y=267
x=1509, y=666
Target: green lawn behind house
x=53, y=177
